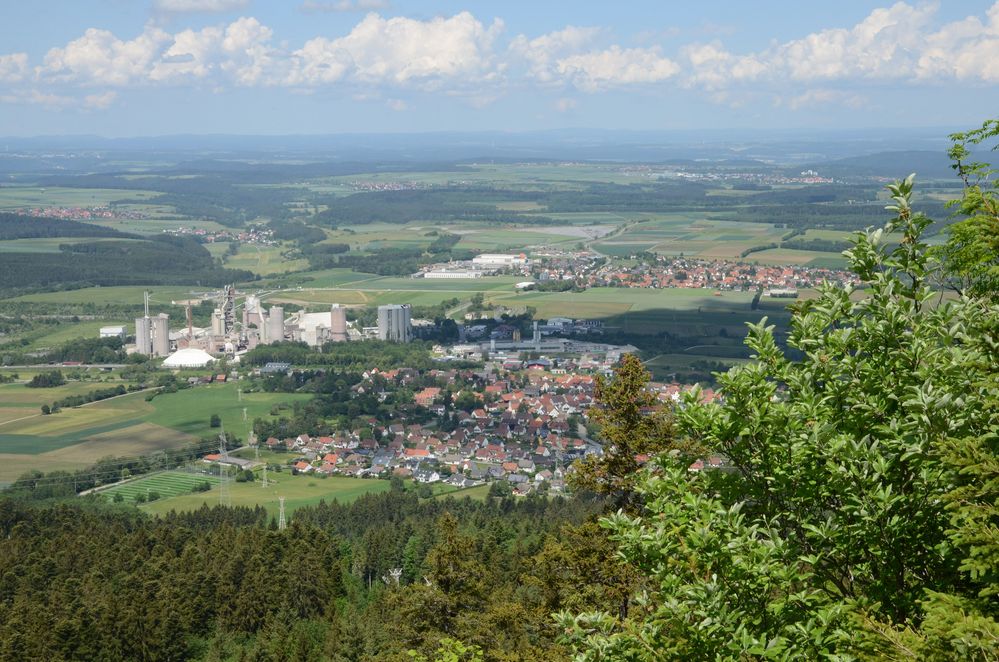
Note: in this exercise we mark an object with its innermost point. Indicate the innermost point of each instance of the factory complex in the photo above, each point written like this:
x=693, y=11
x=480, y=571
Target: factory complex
x=240, y=322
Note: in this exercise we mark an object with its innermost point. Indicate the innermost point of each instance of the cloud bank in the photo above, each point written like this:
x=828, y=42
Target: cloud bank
x=465, y=56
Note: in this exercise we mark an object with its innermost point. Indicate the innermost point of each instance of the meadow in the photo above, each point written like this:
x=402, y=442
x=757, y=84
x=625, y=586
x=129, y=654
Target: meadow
x=119, y=294
x=261, y=260
x=692, y=235
x=21, y=197
x=190, y=410
x=298, y=491
x=124, y=426
x=166, y=483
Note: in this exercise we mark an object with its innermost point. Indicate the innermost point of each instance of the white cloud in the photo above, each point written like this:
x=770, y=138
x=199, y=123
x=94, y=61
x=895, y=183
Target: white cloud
x=541, y=53
x=397, y=105
x=819, y=98
x=565, y=104
x=314, y=6
x=896, y=43
x=600, y=70
x=191, y=55
x=193, y=6
x=461, y=56
x=13, y=67
x=100, y=101
x=967, y=49
x=100, y=58
x=883, y=45
x=402, y=51
x=38, y=98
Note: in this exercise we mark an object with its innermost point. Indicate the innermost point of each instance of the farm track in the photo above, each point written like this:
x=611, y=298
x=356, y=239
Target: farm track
x=86, y=404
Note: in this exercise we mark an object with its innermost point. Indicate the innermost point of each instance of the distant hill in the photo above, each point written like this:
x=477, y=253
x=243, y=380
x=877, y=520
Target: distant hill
x=926, y=164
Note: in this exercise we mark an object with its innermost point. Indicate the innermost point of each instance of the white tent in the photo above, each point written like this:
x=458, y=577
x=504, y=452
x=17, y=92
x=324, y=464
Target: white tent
x=189, y=357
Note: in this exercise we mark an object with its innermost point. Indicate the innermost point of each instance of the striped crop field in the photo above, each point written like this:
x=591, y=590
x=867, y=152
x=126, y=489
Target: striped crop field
x=167, y=484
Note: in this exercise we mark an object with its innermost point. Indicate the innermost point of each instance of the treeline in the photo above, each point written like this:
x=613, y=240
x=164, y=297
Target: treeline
x=389, y=261
x=367, y=581
x=428, y=205
x=84, y=350
x=831, y=214
x=16, y=226
x=757, y=249
x=223, y=199
x=95, y=396
x=38, y=486
x=823, y=245
x=89, y=350
x=49, y=379
x=159, y=261
x=348, y=356
x=298, y=232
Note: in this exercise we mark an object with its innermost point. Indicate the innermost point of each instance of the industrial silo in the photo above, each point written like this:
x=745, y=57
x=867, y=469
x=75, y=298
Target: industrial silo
x=143, y=336
x=338, y=323
x=161, y=335
x=275, y=325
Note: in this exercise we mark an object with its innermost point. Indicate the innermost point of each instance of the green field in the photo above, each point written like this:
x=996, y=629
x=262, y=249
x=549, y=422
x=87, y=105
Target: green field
x=123, y=426
x=261, y=260
x=298, y=491
x=124, y=294
x=189, y=410
x=133, y=440
x=47, y=244
x=66, y=330
x=799, y=257
x=20, y=197
x=477, y=493
x=166, y=483
x=19, y=395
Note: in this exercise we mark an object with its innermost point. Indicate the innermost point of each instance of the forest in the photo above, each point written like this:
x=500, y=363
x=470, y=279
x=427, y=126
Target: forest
x=161, y=260
x=16, y=226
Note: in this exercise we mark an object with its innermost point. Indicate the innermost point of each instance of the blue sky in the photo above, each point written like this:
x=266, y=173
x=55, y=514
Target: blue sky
x=154, y=67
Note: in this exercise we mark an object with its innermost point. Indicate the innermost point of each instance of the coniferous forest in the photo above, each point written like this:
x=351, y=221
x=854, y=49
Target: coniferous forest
x=855, y=515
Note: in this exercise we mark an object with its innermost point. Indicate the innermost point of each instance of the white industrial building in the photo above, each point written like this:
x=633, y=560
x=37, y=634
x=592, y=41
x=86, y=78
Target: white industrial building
x=189, y=357
x=113, y=332
x=316, y=329
x=394, y=323
x=500, y=260
x=453, y=273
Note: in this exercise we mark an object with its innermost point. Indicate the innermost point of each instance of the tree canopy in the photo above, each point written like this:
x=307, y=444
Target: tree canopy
x=856, y=515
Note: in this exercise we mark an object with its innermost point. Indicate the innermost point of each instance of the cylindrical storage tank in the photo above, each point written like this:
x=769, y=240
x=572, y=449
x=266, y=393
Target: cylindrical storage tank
x=161, y=335
x=275, y=325
x=338, y=323
x=143, y=336
x=218, y=328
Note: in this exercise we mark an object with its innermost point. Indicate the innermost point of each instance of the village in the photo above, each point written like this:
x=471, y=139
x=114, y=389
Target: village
x=662, y=271
x=84, y=213
x=518, y=424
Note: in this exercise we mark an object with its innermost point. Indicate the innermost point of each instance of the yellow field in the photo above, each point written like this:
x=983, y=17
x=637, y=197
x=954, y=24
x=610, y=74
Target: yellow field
x=263, y=260
x=19, y=395
x=132, y=441
x=81, y=418
x=8, y=414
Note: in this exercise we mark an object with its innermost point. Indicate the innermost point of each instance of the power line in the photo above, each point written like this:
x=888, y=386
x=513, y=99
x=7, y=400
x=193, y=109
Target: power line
x=224, y=498
x=113, y=468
